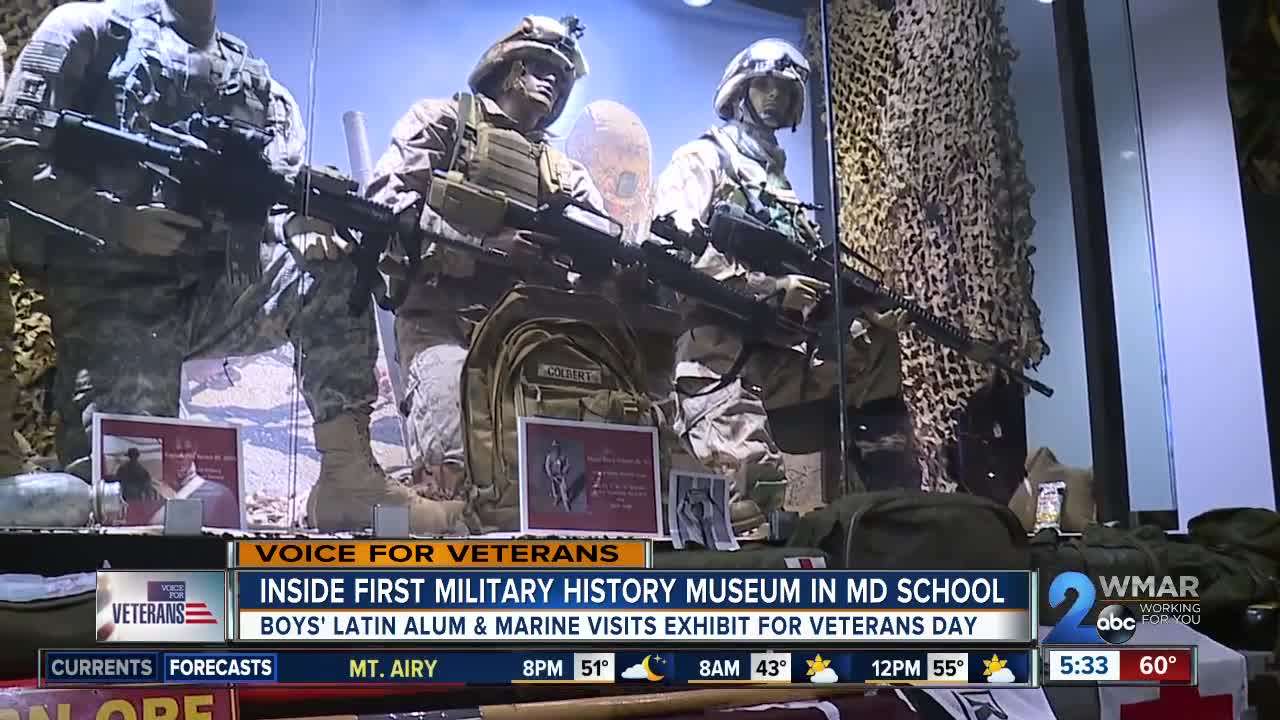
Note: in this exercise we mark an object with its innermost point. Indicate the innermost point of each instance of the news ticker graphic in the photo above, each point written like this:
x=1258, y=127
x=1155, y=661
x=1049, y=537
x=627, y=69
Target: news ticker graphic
x=1090, y=664
x=967, y=666
x=577, y=606
x=171, y=606
x=331, y=554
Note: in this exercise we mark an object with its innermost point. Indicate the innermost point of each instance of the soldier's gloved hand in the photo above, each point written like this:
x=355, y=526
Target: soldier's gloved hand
x=801, y=293
x=316, y=239
x=895, y=320
x=155, y=229
x=520, y=243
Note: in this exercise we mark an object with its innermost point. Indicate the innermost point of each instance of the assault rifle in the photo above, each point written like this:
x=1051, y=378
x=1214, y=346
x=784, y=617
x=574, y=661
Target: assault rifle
x=221, y=164
x=740, y=235
x=591, y=243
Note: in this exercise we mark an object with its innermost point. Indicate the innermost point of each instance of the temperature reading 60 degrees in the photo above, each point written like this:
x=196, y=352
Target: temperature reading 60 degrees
x=1157, y=665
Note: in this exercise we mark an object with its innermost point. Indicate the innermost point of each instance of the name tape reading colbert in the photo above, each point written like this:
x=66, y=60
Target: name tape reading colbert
x=566, y=606
x=440, y=553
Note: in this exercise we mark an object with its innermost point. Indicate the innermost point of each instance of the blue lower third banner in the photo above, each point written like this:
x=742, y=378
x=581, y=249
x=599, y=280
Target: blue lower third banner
x=639, y=606
x=1006, y=667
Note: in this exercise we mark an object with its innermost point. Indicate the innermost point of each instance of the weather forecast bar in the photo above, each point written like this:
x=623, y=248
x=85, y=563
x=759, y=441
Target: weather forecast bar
x=951, y=667
x=1102, y=665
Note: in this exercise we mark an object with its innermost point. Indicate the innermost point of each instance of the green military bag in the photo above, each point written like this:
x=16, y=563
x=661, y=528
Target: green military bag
x=1236, y=554
x=913, y=530
x=1098, y=551
x=541, y=352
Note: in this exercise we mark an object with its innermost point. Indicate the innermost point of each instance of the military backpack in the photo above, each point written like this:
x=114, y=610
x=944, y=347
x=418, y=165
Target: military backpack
x=541, y=352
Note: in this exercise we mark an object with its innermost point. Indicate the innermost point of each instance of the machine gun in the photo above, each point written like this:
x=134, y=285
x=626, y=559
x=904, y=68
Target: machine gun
x=221, y=164
x=738, y=234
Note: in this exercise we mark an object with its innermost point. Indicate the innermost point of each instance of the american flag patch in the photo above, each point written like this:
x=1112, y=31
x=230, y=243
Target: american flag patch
x=807, y=563
x=198, y=614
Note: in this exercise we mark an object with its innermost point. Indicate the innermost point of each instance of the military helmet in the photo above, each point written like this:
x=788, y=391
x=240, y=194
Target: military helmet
x=552, y=40
x=770, y=57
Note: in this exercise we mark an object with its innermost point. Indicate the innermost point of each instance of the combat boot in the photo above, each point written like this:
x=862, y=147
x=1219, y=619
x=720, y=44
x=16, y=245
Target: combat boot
x=351, y=483
x=750, y=499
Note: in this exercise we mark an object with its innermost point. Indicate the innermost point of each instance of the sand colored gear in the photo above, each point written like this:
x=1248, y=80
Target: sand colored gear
x=543, y=38
x=613, y=144
x=770, y=57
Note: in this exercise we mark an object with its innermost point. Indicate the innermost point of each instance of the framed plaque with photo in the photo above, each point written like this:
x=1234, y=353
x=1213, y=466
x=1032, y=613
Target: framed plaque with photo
x=156, y=459
x=589, y=479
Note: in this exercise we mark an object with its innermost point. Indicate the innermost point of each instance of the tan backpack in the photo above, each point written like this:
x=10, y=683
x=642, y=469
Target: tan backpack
x=541, y=352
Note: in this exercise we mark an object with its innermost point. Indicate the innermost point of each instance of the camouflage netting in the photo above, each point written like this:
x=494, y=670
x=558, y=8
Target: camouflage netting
x=32, y=340
x=933, y=188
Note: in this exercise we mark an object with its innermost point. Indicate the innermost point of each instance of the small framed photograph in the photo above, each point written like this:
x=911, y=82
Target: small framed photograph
x=698, y=511
x=589, y=479
x=155, y=459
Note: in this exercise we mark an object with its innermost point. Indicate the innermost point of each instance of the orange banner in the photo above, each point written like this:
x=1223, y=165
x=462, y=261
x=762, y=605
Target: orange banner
x=441, y=553
x=119, y=704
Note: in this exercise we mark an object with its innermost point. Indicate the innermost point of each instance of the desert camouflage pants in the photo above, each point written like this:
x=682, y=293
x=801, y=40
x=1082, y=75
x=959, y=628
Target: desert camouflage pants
x=11, y=462
x=432, y=328
x=729, y=430
x=123, y=335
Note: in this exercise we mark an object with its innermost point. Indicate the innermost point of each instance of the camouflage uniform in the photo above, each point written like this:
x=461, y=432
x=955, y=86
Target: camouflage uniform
x=454, y=292
x=125, y=322
x=728, y=430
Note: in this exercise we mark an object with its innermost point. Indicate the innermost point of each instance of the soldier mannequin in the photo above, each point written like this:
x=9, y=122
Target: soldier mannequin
x=168, y=287
x=762, y=91
x=519, y=88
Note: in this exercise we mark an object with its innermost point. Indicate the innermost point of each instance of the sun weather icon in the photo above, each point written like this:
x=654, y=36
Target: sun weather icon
x=996, y=672
x=820, y=671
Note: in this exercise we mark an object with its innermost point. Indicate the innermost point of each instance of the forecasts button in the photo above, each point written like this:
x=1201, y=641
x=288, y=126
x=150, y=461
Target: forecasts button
x=215, y=668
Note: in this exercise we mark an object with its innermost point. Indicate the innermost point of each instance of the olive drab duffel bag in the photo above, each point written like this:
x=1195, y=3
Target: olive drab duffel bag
x=1098, y=551
x=541, y=352
x=1236, y=554
x=914, y=530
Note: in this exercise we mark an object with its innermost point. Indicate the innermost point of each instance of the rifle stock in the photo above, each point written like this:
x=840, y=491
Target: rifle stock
x=740, y=235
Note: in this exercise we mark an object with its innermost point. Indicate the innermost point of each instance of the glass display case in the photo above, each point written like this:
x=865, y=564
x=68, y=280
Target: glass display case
x=525, y=273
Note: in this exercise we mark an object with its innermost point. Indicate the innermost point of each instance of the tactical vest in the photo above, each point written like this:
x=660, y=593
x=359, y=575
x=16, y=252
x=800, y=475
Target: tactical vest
x=145, y=74
x=154, y=76
x=749, y=187
x=499, y=160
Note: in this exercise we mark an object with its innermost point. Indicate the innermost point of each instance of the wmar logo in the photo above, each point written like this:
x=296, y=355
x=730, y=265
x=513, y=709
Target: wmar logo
x=1069, y=630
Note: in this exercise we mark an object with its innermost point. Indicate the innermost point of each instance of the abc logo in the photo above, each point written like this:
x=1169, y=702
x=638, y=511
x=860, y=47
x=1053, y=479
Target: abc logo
x=1116, y=624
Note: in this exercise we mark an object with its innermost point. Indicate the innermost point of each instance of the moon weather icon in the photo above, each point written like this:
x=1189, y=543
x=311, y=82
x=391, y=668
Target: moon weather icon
x=648, y=663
